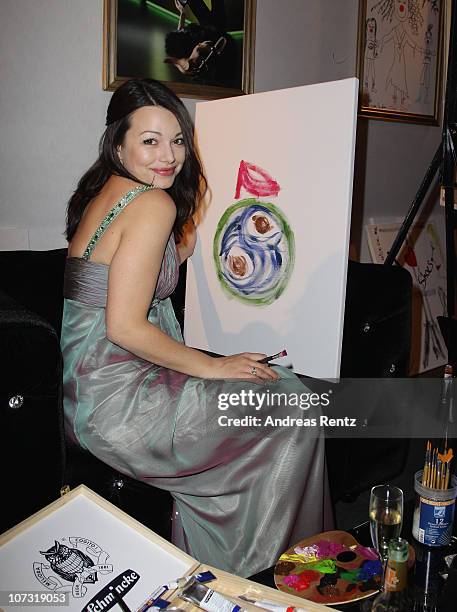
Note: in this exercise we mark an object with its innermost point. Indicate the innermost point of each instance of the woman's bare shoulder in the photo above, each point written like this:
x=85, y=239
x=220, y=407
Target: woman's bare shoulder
x=152, y=208
x=151, y=205
x=149, y=219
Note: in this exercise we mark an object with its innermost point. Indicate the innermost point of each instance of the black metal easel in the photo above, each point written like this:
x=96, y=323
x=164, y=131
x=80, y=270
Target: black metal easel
x=444, y=160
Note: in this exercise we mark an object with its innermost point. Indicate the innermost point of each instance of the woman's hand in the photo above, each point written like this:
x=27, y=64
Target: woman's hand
x=244, y=366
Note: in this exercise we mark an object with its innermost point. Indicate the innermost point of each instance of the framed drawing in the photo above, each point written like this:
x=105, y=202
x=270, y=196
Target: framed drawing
x=424, y=258
x=399, y=59
x=199, y=48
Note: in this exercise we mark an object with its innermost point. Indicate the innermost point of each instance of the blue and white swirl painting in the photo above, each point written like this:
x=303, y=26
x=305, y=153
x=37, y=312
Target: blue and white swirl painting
x=254, y=252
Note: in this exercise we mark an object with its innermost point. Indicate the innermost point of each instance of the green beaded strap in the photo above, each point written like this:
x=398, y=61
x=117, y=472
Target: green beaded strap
x=113, y=213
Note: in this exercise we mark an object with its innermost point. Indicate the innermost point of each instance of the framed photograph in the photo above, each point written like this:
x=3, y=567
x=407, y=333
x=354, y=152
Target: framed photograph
x=199, y=48
x=399, y=59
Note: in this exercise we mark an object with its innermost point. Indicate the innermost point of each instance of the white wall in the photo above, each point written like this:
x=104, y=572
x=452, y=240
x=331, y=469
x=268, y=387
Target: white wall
x=304, y=41
x=52, y=113
x=53, y=106
x=393, y=159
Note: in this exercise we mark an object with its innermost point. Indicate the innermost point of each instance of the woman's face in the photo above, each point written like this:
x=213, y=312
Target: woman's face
x=401, y=10
x=153, y=149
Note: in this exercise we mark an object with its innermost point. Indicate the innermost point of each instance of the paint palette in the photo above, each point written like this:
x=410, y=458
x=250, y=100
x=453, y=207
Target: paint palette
x=329, y=568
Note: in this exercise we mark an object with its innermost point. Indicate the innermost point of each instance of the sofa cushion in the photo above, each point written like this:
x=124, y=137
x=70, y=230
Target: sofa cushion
x=35, y=280
x=31, y=424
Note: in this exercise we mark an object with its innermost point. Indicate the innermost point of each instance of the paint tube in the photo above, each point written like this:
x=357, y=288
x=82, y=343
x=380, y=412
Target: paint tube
x=154, y=600
x=206, y=599
x=269, y=605
x=182, y=582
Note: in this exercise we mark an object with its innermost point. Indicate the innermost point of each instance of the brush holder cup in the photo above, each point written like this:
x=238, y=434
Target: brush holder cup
x=434, y=512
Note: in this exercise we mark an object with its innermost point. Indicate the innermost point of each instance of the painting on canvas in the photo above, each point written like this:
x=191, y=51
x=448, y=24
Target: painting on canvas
x=269, y=269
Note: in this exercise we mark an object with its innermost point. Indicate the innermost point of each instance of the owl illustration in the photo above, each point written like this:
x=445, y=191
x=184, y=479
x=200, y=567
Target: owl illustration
x=69, y=562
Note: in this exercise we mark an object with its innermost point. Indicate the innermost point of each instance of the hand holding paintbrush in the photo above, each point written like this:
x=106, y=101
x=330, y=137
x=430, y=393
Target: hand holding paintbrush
x=272, y=357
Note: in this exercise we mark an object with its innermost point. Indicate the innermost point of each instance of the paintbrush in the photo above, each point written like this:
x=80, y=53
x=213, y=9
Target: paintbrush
x=438, y=473
x=426, y=471
x=446, y=479
x=430, y=469
x=448, y=458
x=433, y=469
x=283, y=353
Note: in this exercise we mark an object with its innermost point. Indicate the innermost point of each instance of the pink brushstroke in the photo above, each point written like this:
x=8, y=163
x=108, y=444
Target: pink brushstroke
x=266, y=186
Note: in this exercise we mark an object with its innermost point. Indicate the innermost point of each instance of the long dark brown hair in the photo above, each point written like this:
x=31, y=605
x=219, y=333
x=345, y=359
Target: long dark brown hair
x=189, y=184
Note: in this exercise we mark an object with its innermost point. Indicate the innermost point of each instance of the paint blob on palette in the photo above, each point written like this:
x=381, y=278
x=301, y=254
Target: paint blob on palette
x=254, y=248
x=329, y=568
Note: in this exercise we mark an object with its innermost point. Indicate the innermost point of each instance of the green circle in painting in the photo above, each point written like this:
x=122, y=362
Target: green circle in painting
x=254, y=252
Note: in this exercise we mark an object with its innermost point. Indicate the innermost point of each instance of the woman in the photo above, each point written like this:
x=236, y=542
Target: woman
x=135, y=395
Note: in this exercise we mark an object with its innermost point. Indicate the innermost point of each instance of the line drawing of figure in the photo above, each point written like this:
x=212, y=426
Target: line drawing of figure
x=431, y=329
x=401, y=11
x=371, y=53
x=425, y=78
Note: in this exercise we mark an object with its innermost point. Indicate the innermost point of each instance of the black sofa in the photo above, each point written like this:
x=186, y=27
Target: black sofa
x=37, y=459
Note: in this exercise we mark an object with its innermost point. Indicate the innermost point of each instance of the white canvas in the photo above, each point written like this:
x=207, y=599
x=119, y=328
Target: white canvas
x=115, y=548
x=304, y=139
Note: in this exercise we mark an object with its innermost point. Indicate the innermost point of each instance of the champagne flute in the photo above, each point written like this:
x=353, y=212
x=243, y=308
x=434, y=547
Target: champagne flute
x=386, y=517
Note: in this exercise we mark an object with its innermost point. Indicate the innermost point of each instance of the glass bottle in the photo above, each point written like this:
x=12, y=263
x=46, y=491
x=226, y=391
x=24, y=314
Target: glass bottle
x=395, y=596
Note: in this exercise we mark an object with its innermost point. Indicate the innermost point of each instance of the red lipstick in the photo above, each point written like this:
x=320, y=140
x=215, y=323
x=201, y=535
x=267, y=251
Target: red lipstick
x=164, y=171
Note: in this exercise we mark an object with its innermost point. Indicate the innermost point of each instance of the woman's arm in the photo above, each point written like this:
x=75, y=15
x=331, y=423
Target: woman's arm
x=182, y=18
x=134, y=269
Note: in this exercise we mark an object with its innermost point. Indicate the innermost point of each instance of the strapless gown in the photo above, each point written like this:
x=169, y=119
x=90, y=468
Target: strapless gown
x=243, y=496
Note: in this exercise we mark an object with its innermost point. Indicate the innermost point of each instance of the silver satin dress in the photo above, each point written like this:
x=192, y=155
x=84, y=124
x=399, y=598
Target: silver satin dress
x=242, y=496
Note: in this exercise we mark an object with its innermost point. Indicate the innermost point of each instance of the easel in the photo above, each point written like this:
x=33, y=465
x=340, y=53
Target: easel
x=445, y=160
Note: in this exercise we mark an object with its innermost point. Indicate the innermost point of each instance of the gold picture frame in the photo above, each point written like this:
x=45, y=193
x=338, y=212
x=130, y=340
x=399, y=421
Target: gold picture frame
x=134, y=47
x=400, y=57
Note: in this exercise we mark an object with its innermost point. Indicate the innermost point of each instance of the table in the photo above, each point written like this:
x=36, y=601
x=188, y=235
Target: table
x=427, y=584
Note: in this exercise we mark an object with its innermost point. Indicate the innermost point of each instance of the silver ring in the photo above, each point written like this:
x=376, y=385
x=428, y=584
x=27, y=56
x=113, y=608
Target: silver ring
x=254, y=371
